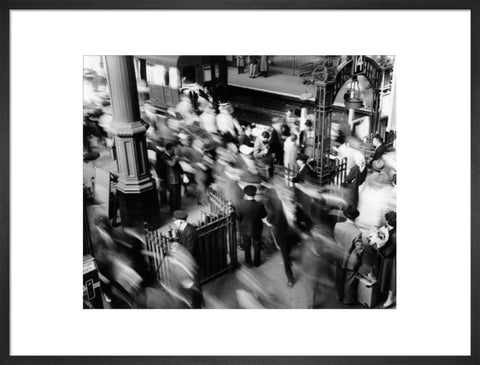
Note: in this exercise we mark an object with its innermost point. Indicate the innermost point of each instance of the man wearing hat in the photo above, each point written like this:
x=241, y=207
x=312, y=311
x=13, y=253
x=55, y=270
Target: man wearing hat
x=250, y=214
x=305, y=172
x=344, y=233
x=378, y=176
x=173, y=173
x=380, y=148
x=262, y=152
x=187, y=234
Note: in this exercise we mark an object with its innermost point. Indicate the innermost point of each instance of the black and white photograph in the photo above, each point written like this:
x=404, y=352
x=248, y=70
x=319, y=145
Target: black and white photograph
x=214, y=182
x=239, y=182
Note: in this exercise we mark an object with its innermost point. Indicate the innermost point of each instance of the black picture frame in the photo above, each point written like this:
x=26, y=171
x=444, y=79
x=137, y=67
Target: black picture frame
x=6, y=6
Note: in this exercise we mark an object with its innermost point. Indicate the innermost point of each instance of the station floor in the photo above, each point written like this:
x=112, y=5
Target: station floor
x=287, y=85
x=222, y=291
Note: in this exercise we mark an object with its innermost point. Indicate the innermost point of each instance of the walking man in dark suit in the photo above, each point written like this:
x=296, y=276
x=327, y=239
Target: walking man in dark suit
x=250, y=214
x=173, y=178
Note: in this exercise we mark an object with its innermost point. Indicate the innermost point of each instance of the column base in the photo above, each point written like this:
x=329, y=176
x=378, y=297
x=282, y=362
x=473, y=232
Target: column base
x=138, y=208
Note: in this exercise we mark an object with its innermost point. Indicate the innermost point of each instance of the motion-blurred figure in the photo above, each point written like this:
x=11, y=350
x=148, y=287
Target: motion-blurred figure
x=208, y=119
x=227, y=125
x=375, y=198
x=183, y=283
x=280, y=230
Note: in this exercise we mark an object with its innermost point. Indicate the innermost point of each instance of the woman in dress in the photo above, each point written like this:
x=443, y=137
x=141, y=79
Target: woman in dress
x=307, y=139
x=387, y=276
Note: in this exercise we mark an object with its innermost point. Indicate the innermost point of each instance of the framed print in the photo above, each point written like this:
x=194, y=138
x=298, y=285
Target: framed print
x=185, y=149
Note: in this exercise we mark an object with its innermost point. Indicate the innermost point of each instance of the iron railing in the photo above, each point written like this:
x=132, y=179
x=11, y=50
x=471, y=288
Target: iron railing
x=216, y=249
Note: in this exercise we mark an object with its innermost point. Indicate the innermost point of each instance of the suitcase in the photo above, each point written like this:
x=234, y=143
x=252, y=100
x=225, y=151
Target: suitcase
x=367, y=293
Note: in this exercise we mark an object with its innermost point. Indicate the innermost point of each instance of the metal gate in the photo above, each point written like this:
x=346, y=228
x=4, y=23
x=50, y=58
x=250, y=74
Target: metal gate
x=338, y=172
x=335, y=173
x=216, y=244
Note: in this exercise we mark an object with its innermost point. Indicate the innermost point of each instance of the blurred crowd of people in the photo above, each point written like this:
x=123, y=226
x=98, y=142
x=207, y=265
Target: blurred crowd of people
x=351, y=228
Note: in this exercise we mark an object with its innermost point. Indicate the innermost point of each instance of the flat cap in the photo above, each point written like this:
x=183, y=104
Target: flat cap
x=180, y=214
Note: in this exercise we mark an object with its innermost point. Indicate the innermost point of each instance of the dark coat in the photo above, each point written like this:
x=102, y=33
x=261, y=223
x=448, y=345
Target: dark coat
x=246, y=140
x=379, y=152
x=276, y=216
x=250, y=214
x=305, y=174
x=387, y=276
x=345, y=233
x=172, y=169
x=302, y=139
x=354, y=179
x=188, y=239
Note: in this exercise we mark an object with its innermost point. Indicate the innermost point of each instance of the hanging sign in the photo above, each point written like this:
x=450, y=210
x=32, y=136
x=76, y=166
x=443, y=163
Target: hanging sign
x=358, y=64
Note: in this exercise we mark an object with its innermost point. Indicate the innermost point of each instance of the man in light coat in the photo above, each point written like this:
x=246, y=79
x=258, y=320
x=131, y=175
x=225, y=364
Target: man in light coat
x=345, y=233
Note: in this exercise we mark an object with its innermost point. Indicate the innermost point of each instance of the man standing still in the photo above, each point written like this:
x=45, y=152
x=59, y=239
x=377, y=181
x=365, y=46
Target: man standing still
x=187, y=234
x=345, y=234
x=253, y=66
x=261, y=152
x=305, y=172
x=380, y=148
x=250, y=214
x=173, y=178
x=240, y=64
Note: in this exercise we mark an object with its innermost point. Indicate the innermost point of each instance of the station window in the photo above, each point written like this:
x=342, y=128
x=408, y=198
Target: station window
x=207, y=73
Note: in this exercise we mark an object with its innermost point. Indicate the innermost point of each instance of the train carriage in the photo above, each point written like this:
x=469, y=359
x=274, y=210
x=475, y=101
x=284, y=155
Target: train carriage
x=170, y=76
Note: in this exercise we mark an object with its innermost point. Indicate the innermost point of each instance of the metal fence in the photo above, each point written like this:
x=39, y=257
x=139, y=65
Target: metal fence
x=158, y=245
x=216, y=244
x=335, y=173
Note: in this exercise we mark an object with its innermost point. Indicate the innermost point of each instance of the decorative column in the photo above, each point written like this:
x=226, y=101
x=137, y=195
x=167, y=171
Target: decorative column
x=374, y=127
x=136, y=190
x=323, y=123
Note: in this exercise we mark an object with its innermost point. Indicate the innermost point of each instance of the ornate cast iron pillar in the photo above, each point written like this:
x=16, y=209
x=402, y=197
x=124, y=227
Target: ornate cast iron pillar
x=374, y=128
x=136, y=190
x=323, y=123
